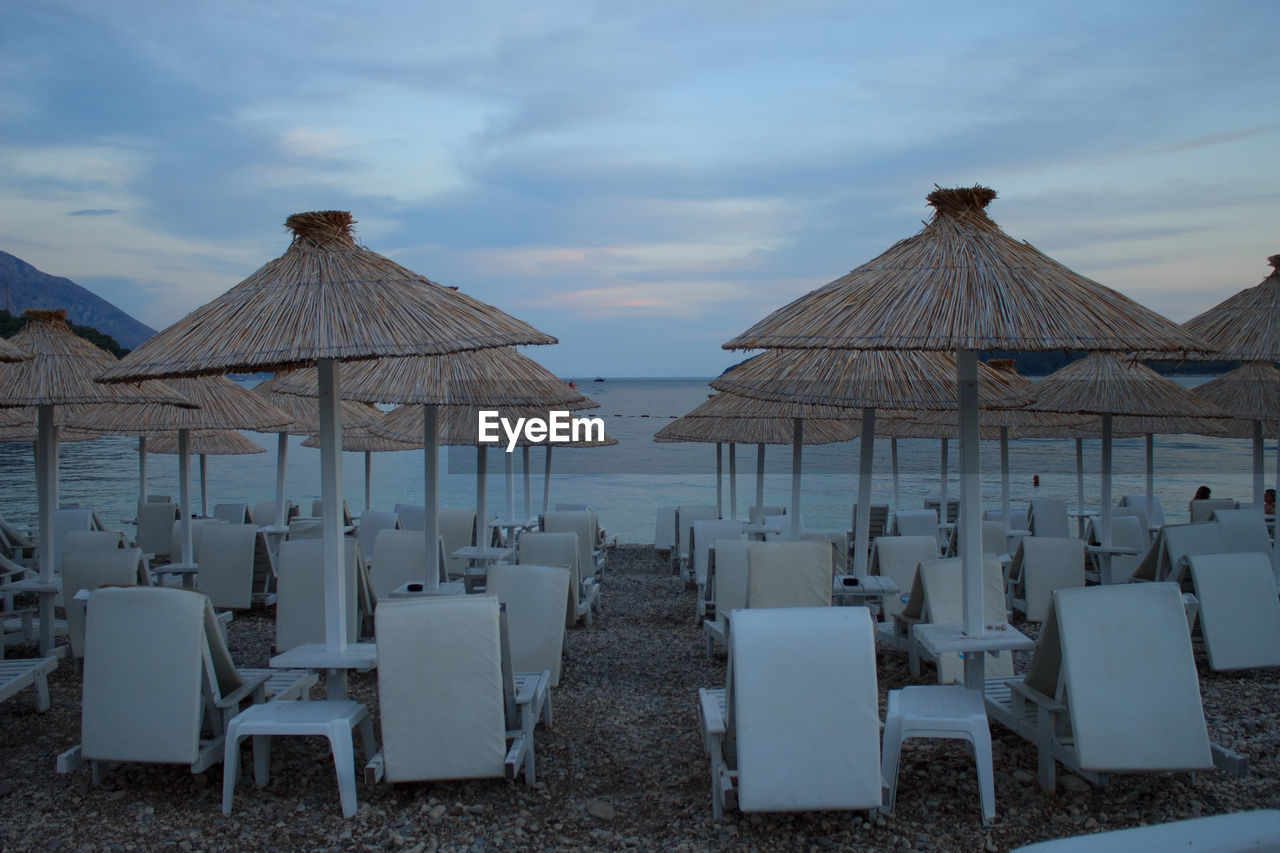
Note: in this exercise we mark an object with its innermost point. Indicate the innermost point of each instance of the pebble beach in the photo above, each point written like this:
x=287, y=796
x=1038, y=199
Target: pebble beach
x=623, y=767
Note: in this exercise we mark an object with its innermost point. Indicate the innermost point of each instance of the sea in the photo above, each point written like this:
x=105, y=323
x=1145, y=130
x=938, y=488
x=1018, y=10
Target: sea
x=626, y=483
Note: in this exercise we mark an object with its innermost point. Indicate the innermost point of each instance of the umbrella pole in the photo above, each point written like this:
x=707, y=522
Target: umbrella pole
x=862, y=536
x=431, y=492
x=368, y=480
x=796, y=444
x=893, y=461
x=47, y=500
x=509, y=465
x=1104, y=535
x=970, y=518
x=1151, y=477
x=760, y=476
x=733, y=480
x=482, y=495
x=524, y=467
x=142, y=469
x=204, y=487
x=942, y=506
x=719, y=480
x=335, y=587
x=1004, y=474
x=1079, y=486
x=184, y=494
x=282, y=457
x=546, y=481
x=1276, y=561
x=1257, y=467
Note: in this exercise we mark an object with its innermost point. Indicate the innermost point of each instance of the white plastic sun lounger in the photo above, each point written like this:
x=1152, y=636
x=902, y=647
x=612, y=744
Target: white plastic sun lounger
x=1239, y=611
x=1048, y=517
x=399, y=557
x=1245, y=530
x=90, y=569
x=729, y=586
x=685, y=517
x=561, y=549
x=664, y=529
x=789, y=574
x=702, y=538
x=897, y=557
x=1241, y=832
x=300, y=598
x=1040, y=565
x=535, y=600
x=797, y=727
x=456, y=711
x=1112, y=687
x=458, y=530
x=1165, y=560
x=17, y=674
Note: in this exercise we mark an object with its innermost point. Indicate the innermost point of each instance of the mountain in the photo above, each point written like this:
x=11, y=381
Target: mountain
x=23, y=286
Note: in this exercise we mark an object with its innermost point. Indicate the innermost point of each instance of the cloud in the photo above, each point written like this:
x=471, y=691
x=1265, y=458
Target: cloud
x=94, y=212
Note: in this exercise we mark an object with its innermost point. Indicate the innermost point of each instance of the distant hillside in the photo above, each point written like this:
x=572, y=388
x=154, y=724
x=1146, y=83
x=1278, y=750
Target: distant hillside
x=28, y=287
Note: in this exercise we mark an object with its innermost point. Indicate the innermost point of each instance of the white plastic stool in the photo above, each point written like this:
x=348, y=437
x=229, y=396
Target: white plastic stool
x=941, y=711
x=334, y=719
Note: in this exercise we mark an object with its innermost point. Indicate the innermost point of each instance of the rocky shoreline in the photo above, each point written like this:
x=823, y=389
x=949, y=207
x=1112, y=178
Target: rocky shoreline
x=622, y=769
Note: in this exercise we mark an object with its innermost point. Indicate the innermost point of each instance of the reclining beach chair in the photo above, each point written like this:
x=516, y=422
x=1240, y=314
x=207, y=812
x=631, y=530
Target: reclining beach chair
x=1040, y=565
x=797, y=726
x=159, y=685
x=399, y=557
x=937, y=596
x=67, y=519
x=1126, y=532
x=781, y=527
x=1140, y=502
x=317, y=510
x=917, y=522
x=15, y=543
x=953, y=509
x=235, y=567
x=879, y=521
x=728, y=584
x=155, y=527
x=458, y=530
x=372, y=523
x=789, y=574
x=562, y=550
x=685, y=517
x=233, y=513
x=1202, y=510
x=1245, y=530
x=664, y=529
x=90, y=568
x=582, y=522
x=17, y=674
x=756, y=513
x=175, y=539
x=264, y=513
x=1165, y=560
x=702, y=539
x=839, y=546
x=1239, y=612
x=995, y=541
x=458, y=712
x=535, y=600
x=1048, y=517
x=1112, y=687
x=896, y=557
x=412, y=517
x=300, y=592
x=1238, y=832
x=305, y=528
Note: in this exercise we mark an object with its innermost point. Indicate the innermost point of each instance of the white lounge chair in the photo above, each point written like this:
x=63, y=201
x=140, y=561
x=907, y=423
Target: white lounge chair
x=412, y=516
x=450, y=713
x=535, y=599
x=789, y=574
x=797, y=726
x=584, y=524
x=919, y=522
x=1112, y=686
x=1040, y=565
x=702, y=538
x=17, y=674
x=264, y=513
x=88, y=569
x=458, y=530
x=372, y=523
x=1140, y=501
x=1048, y=517
x=300, y=593
x=1126, y=532
x=235, y=567
x=562, y=549
x=1245, y=530
x=728, y=582
x=233, y=513
x=1241, y=832
x=896, y=557
x=664, y=529
x=685, y=517
x=155, y=526
x=1239, y=612
x=399, y=557
x=1165, y=560
x=1202, y=510
x=65, y=520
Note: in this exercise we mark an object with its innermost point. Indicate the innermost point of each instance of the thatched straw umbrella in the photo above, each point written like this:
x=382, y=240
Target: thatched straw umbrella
x=856, y=379
x=10, y=352
x=326, y=300
x=733, y=419
x=1101, y=384
x=360, y=440
x=962, y=285
x=222, y=405
x=60, y=373
x=204, y=443
x=306, y=421
x=1246, y=327
x=488, y=378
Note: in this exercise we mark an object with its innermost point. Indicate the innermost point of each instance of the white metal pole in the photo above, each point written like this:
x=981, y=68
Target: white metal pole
x=760, y=475
x=945, y=467
x=204, y=485
x=142, y=469
x=335, y=587
x=970, y=519
x=796, y=461
x=431, y=492
x=1258, y=486
x=482, y=495
x=282, y=456
x=866, y=451
x=546, y=480
x=1080, y=486
x=1004, y=475
x=733, y=480
x=1104, y=535
x=1151, y=478
x=184, y=494
x=368, y=479
x=893, y=462
x=47, y=503
x=719, y=480
x=528, y=503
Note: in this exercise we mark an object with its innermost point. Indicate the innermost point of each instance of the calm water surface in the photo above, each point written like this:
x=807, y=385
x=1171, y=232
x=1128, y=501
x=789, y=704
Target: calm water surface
x=627, y=482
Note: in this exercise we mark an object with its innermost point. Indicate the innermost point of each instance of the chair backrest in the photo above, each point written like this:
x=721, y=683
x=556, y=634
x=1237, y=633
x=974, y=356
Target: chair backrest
x=789, y=574
x=567, y=507
x=372, y=523
x=233, y=513
x=197, y=531
x=732, y=573
x=458, y=530
x=226, y=564
x=939, y=586
x=1202, y=510
x=1184, y=540
x=1140, y=502
x=917, y=522
x=878, y=522
x=442, y=713
x=757, y=512
x=300, y=592
x=1137, y=512
x=1244, y=530
x=994, y=540
x=686, y=516
x=399, y=557
x=1048, y=563
x=702, y=538
x=264, y=512
x=305, y=528
x=143, y=675
x=91, y=541
x=90, y=569
x=535, y=598
x=897, y=557
x=953, y=508
x=412, y=516
x=781, y=525
x=1127, y=532
x=1239, y=612
x=803, y=709
x=664, y=529
x=66, y=520
x=581, y=523
x=317, y=510
x=554, y=549
x=155, y=526
x=1048, y=517
x=1120, y=656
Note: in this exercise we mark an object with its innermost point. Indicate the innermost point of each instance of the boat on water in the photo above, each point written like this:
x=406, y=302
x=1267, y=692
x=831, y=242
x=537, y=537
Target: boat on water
x=599, y=379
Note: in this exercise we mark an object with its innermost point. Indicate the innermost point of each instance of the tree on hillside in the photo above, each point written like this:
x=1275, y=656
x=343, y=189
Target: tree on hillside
x=9, y=326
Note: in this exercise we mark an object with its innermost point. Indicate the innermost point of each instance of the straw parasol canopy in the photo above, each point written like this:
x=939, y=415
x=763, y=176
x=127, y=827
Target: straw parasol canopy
x=27, y=432
x=360, y=440
x=1245, y=326
x=327, y=300
x=208, y=442
x=1250, y=392
x=306, y=412
x=460, y=425
x=9, y=352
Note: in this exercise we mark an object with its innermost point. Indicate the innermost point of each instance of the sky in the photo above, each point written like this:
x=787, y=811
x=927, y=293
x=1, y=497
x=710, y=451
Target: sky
x=642, y=180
